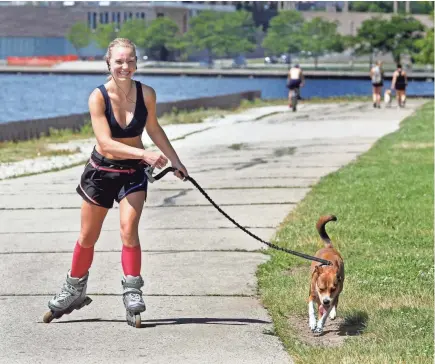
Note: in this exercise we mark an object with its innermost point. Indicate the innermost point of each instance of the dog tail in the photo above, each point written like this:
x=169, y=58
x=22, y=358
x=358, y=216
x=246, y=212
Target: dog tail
x=321, y=227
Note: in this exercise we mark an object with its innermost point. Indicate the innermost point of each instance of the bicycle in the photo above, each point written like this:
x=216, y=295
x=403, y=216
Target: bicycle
x=294, y=98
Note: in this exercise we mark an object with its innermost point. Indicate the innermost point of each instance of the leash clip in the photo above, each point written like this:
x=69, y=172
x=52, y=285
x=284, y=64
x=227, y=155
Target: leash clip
x=149, y=172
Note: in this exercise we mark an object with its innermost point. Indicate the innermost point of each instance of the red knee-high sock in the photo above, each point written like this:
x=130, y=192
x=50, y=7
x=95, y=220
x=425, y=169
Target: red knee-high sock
x=82, y=260
x=131, y=260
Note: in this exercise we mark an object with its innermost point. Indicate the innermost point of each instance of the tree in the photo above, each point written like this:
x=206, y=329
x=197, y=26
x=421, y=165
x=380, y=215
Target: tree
x=134, y=29
x=104, y=34
x=320, y=36
x=371, y=6
x=161, y=36
x=402, y=32
x=221, y=34
x=284, y=31
x=205, y=34
x=372, y=37
x=422, y=7
x=425, y=49
x=79, y=36
x=239, y=33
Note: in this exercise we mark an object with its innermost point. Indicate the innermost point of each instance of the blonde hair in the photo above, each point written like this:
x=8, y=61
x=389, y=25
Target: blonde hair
x=118, y=42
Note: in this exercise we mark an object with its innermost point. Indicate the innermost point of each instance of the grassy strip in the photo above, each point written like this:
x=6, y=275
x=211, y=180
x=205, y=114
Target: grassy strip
x=16, y=151
x=384, y=204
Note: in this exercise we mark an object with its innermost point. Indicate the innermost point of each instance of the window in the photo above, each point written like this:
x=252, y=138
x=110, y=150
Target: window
x=160, y=15
x=142, y=15
x=90, y=21
x=184, y=23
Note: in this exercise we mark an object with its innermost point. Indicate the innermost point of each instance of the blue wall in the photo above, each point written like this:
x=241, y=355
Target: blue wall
x=37, y=46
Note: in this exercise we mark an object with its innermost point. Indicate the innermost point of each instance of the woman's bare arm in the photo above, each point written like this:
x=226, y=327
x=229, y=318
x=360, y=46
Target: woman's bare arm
x=156, y=132
x=393, y=82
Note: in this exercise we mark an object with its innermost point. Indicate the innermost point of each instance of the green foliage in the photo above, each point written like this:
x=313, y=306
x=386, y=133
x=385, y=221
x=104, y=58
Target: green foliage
x=320, y=36
x=104, y=34
x=425, y=49
x=134, y=29
x=239, y=34
x=221, y=34
x=79, y=36
x=416, y=7
x=372, y=36
x=284, y=33
x=371, y=6
x=397, y=36
x=403, y=32
x=422, y=7
x=205, y=33
x=161, y=32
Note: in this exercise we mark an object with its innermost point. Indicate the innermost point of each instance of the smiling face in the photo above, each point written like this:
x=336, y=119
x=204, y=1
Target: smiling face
x=122, y=62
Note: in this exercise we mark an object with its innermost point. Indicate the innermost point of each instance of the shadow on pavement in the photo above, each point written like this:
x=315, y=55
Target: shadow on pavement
x=178, y=321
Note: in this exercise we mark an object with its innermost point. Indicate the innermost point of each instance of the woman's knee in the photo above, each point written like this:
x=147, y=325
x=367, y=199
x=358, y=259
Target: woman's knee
x=87, y=239
x=129, y=233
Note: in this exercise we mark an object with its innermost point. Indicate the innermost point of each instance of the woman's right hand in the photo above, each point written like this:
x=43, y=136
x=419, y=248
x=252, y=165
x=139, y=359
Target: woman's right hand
x=154, y=159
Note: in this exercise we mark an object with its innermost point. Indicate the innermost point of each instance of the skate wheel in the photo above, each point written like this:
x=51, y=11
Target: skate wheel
x=48, y=317
x=138, y=321
x=133, y=319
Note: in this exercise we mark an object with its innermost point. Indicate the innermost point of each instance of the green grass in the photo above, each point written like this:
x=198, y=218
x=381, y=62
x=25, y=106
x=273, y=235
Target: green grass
x=16, y=151
x=384, y=204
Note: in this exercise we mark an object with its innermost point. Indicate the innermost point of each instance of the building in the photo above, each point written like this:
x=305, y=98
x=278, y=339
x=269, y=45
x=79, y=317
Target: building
x=38, y=28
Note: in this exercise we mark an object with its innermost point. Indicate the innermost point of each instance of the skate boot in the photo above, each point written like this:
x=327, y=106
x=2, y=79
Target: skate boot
x=132, y=298
x=71, y=297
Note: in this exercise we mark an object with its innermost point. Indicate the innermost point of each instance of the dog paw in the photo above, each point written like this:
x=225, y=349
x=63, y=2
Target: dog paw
x=333, y=314
x=318, y=330
x=312, y=324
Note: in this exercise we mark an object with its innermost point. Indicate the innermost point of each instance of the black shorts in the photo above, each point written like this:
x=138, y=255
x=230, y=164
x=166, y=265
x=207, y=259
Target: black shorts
x=378, y=84
x=106, y=180
x=400, y=87
x=294, y=84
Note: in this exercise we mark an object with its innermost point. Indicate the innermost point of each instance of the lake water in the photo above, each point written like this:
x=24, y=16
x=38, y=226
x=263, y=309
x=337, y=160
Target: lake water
x=27, y=96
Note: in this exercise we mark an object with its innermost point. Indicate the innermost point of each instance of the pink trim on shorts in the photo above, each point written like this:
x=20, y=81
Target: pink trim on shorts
x=91, y=199
x=99, y=168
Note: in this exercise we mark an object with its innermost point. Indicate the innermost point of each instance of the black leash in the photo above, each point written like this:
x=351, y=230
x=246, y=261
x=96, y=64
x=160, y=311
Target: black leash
x=151, y=178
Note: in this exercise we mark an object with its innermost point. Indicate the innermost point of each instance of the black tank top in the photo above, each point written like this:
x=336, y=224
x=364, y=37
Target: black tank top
x=400, y=79
x=137, y=124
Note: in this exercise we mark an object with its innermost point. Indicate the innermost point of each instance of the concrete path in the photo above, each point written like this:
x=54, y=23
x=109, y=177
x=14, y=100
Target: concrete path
x=199, y=269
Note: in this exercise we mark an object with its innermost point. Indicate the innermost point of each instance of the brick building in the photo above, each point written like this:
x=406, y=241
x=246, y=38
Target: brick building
x=39, y=27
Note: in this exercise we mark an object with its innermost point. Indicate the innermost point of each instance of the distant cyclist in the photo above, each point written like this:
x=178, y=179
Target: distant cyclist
x=399, y=83
x=295, y=80
x=377, y=77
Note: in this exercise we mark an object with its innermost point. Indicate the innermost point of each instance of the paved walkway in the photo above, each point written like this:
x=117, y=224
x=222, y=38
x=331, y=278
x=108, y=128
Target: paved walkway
x=199, y=269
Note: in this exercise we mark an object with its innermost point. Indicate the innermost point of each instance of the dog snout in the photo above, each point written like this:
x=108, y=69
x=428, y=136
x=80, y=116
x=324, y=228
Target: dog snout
x=326, y=301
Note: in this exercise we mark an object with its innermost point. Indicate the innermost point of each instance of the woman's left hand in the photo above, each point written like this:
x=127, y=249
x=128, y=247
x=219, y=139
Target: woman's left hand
x=180, y=168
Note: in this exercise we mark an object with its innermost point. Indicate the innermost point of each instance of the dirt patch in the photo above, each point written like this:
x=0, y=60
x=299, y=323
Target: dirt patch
x=238, y=146
x=335, y=331
x=284, y=151
x=297, y=270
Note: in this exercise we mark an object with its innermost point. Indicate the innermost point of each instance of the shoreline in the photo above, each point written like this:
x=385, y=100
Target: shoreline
x=212, y=72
